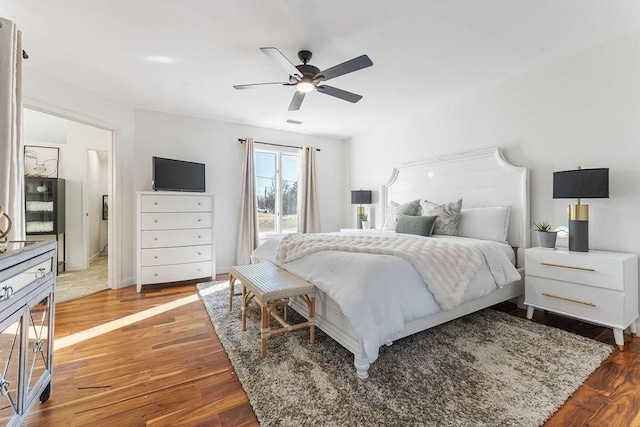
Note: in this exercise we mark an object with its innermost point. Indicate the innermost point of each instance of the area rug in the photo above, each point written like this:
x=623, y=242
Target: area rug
x=485, y=369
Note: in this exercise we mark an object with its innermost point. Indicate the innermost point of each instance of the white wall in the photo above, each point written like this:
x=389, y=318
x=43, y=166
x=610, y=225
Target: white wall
x=104, y=189
x=44, y=92
x=583, y=110
x=216, y=144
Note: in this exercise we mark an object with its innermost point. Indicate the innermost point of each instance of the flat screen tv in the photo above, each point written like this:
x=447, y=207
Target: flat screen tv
x=177, y=175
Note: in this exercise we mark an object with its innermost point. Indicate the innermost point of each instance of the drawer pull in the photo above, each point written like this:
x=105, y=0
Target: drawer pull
x=155, y=220
x=40, y=273
x=567, y=266
x=569, y=299
x=155, y=257
x=155, y=275
x=199, y=220
x=155, y=203
x=199, y=253
x=199, y=203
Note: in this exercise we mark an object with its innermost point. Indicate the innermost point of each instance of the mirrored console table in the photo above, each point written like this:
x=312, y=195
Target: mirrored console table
x=27, y=314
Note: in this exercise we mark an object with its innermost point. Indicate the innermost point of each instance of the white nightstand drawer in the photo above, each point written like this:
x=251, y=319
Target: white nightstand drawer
x=584, y=302
x=178, y=255
x=591, y=268
x=175, y=273
x=175, y=203
x=174, y=220
x=172, y=238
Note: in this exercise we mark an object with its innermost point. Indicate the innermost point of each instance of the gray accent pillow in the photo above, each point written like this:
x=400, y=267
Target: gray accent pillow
x=420, y=225
x=448, y=216
x=394, y=210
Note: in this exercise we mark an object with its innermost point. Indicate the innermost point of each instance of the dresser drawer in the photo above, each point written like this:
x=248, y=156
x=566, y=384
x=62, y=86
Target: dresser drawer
x=14, y=285
x=175, y=273
x=172, y=238
x=174, y=220
x=178, y=255
x=589, y=303
x=605, y=271
x=175, y=203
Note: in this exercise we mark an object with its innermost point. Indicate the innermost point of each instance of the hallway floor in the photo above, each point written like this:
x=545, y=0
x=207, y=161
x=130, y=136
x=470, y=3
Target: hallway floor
x=77, y=284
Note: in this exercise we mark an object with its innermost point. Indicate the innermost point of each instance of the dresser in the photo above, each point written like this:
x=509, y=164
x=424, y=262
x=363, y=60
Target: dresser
x=596, y=286
x=175, y=237
x=27, y=314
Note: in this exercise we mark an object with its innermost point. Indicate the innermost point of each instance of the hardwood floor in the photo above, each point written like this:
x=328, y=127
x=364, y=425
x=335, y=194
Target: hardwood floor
x=129, y=359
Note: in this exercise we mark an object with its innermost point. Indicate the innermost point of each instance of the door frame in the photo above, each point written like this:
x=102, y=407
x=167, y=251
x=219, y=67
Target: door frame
x=114, y=263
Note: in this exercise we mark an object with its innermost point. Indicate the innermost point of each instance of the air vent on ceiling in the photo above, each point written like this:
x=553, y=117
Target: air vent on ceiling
x=294, y=122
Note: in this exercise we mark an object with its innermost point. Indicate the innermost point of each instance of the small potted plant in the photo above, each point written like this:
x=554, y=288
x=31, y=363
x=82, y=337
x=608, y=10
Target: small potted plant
x=547, y=236
x=364, y=219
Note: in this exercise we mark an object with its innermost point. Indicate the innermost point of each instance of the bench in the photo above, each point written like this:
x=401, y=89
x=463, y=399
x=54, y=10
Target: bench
x=271, y=287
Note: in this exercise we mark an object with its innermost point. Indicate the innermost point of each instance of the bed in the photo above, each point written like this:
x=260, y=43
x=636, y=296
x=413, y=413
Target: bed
x=482, y=179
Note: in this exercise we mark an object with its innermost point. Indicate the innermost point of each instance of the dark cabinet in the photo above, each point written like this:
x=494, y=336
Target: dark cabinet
x=44, y=210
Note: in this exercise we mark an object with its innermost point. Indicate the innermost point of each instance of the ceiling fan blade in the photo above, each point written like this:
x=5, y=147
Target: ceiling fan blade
x=298, y=97
x=251, y=86
x=282, y=61
x=339, y=93
x=350, y=66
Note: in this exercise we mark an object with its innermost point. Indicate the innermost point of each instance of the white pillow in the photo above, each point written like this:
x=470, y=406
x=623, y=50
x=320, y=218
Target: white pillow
x=485, y=223
x=395, y=210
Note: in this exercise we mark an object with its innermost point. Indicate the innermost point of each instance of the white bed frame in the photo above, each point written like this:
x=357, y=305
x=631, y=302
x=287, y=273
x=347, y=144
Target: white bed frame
x=481, y=178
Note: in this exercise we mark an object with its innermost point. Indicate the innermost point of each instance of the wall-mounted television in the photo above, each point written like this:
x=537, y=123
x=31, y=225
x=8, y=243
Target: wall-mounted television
x=177, y=175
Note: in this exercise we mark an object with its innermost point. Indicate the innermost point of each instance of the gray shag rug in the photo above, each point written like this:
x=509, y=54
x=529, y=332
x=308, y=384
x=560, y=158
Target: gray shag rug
x=485, y=369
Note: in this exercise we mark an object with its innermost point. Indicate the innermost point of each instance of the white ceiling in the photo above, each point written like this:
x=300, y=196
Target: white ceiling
x=422, y=50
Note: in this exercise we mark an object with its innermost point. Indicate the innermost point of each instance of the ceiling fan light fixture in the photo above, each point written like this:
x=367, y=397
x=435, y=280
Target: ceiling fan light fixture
x=305, y=86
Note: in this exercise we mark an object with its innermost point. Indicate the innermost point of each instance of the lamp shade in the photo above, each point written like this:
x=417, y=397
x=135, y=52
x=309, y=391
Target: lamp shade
x=581, y=184
x=361, y=197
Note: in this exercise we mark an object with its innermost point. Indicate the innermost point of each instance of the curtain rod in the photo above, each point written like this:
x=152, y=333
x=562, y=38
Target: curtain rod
x=242, y=140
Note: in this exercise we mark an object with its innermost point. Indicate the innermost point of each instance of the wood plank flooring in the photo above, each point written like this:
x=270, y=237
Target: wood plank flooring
x=153, y=359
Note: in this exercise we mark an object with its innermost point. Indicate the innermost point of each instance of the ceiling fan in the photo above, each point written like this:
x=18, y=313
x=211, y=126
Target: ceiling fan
x=306, y=77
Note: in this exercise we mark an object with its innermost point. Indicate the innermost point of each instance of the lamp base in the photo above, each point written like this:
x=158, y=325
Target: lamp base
x=578, y=236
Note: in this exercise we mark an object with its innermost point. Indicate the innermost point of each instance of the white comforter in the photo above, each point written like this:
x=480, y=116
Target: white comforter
x=379, y=294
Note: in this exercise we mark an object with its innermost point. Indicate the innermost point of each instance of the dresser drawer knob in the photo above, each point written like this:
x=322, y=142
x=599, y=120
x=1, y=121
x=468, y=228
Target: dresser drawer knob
x=199, y=203
x=155, y=257
x=549, y=264
x=199, y=220
x=199, y=253
x=155, y=238
x=199, y=236
x=155, y=275
x=155, y=203
x=155, y=220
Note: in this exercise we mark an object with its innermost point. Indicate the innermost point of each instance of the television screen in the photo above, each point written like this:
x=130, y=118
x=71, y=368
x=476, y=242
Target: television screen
x=177, y=175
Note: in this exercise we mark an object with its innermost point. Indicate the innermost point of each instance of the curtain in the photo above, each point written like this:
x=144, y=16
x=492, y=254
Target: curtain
x=248, y=233
x=11, y=146
x=308, y=212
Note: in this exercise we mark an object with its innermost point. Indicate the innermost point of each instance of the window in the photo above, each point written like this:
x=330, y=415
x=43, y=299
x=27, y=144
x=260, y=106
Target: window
x=277, y=188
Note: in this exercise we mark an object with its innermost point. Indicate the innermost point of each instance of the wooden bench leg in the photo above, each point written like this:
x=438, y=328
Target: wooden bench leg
x=312, y=316
x=245, y=304
x=264, y=331
x=232, y=280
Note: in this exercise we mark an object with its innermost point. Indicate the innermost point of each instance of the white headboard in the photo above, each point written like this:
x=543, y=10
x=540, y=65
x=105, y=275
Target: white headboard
x=481, y=178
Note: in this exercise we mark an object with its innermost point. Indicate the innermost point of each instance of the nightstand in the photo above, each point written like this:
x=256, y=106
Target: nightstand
x=596, y=286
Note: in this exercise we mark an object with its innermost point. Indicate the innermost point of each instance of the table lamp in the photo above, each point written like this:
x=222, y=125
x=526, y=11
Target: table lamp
x=580, y=184
x=360, y=197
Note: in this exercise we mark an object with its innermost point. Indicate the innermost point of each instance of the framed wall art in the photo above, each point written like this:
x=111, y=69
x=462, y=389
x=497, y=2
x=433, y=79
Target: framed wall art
x=105, y=207
x=41, y=162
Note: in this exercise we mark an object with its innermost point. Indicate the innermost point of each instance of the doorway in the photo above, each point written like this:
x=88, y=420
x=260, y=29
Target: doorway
x=85, y=164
